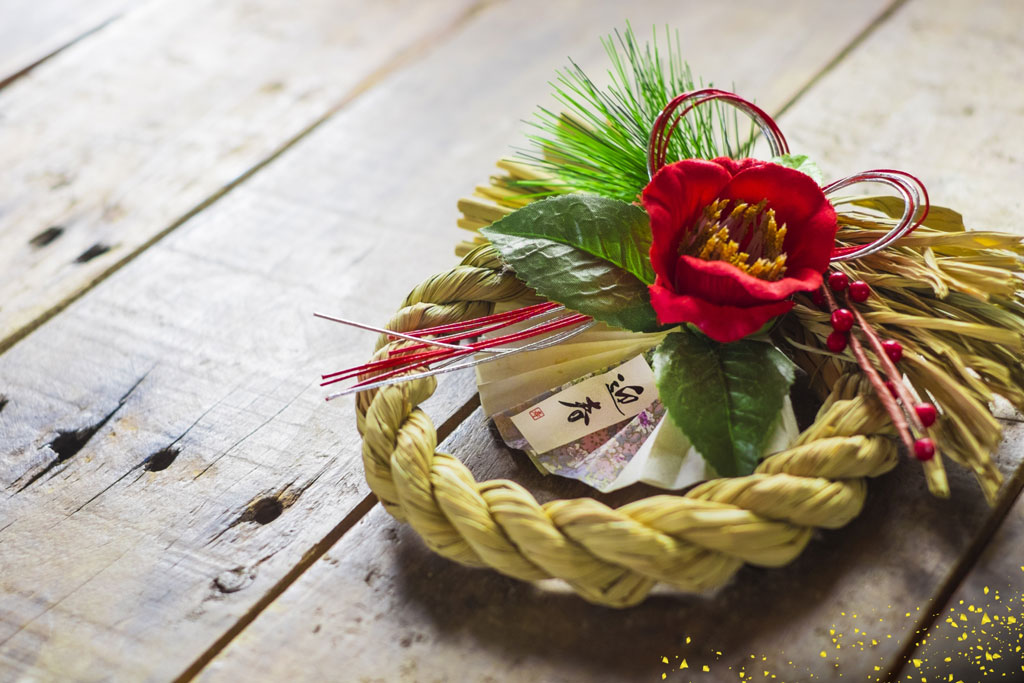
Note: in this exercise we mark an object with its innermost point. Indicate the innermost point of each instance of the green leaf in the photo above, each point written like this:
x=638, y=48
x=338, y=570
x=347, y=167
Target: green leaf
x=607, y=228
x=581, y=281
x=587, y=252
x=799, y=162
x=726, y=398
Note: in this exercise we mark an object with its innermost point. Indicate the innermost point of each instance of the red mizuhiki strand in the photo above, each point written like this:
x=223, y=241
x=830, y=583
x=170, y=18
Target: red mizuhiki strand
x=910, y=189
x=904, y=409
x=427, y=358
x=661, y=131
x=476, y=328
x=398, y=357
x=915, y=208
x=518, y=313
x=472, y=328
x=400, y=361
x=902, y=392
x=558, y=338
x=899, y=421
x=440, y=345
x=500, y=320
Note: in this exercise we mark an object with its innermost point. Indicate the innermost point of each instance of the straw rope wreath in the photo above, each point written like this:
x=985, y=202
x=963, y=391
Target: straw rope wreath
x=948, y=302
x=610, y=556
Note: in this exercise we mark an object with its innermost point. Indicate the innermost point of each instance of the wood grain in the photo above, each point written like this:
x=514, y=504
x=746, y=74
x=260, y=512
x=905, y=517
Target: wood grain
x=977, y=633
x=388, y=609
x=118, y=139
x=200, y=465
x=931, y=93
x=404, y=614
x=32, y=31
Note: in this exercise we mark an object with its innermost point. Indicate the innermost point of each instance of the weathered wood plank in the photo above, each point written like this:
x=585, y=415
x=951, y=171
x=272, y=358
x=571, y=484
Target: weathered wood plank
x=117, y=140
x=933, y=94
x=977, y=633
x=430, y=619
x=192, y=464
x=314, y=59
x=34, y=30
x=381, y=607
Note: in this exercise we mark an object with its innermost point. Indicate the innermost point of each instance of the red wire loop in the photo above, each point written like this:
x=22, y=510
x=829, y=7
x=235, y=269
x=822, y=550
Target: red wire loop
x=915, y=208
x=912, y=190
x=665, y=124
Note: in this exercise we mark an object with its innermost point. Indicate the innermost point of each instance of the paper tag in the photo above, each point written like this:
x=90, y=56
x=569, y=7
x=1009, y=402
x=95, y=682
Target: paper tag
x=589, y=406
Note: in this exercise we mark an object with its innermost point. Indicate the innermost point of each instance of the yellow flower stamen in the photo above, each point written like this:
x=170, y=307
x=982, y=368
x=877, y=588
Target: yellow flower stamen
x=718, y=238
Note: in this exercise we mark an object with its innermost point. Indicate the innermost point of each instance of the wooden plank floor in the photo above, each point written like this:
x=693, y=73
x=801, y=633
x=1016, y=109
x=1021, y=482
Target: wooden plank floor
x=32, y=31
x=181, y=101
x=185, y=182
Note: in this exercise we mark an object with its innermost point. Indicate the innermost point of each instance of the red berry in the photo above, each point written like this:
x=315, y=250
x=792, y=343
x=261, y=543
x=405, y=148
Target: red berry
x=892, y=388
x=926, y=413
x=838, y=281
x=842, y=320
x=859, y=291
x=836, y=342
x=924, y=449
x=818, y=297
x=893, y=349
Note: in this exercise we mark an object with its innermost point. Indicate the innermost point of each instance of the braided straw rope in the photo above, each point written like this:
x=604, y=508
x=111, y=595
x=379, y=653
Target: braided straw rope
x=610, y=556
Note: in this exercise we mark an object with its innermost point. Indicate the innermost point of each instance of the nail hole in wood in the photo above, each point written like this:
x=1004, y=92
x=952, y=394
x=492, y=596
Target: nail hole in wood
x=264, y=511
x=46, y=236
x=92, y=252
x=162, y=459
x=67, y=444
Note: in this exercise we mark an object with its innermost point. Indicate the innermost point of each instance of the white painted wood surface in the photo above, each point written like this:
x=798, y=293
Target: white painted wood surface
x=33, y=30
x=215, y=474
x=934, y=92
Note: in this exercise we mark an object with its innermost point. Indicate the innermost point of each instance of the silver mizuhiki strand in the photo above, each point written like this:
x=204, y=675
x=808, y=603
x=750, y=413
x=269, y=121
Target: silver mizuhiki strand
x=533, y=346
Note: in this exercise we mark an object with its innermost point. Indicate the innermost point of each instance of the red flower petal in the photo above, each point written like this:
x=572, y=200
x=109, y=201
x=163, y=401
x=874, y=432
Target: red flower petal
x=723, y=301
x=721, y=323
x=798, y=203
x=724, y=283
x=734, y=167
x=674, y=199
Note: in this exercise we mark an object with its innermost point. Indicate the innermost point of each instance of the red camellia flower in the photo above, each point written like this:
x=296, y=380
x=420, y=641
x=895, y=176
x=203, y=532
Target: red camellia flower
x=733, y=240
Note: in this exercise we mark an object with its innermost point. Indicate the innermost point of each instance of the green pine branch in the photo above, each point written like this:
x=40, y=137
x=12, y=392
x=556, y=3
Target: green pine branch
x=599, y=143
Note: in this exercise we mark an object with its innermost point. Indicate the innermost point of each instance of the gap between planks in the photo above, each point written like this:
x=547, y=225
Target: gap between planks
x=882, y=17
x=367, y=503
x=49, y=28
x=24, y=71
x=400, y=59
x=968, y=559
x=312, y=555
